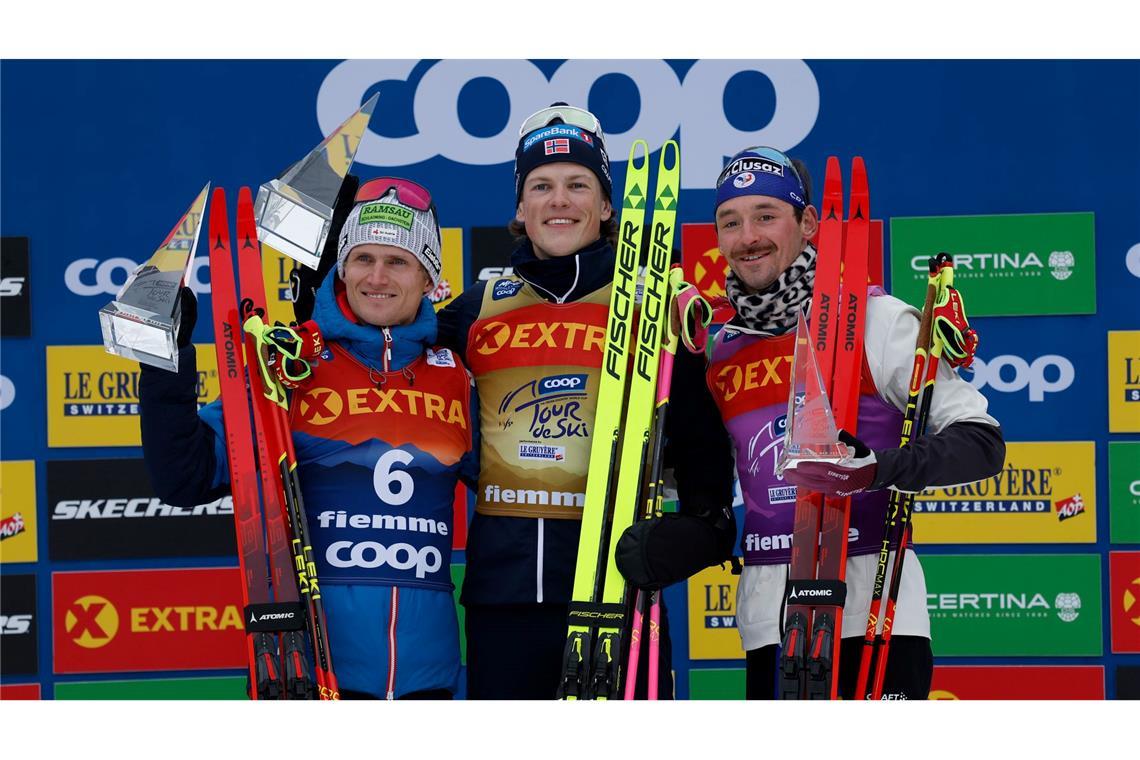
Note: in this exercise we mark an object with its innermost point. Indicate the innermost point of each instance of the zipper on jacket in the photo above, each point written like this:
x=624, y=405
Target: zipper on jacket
x=387, y=348
x=393, y=613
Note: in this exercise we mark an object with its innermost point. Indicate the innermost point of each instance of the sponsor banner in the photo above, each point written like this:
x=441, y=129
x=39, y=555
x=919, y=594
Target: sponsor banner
x=158, y=688
x=712, y=616
x=1014, y=605
x=93, y=396
x=1124, y=492
x=1010, y=373
x=1128, y=682
x=716, y=683
x=1017, y=682
x=491, y=252
x=18, y=535
x=18, y=630
x=1124, y=600
x=23, y=691
x=1124, y=381
x=143, y=620
x=15, y=288
x=1008, y=264
x=106, y=509
x=705, y=267
x=1046, y=493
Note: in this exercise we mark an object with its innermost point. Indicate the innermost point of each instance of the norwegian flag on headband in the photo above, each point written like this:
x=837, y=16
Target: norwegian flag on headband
x=561, y=145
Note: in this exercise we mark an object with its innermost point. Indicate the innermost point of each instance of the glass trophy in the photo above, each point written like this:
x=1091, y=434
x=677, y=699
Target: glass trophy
x=295, y=210
x=142, y=322
x=811, y=434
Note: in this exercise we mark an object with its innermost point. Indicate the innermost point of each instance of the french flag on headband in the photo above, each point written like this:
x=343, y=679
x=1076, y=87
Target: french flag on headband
x=561, y=145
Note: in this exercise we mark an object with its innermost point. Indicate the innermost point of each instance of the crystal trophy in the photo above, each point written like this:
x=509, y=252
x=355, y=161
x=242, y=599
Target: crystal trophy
x=142, y=322
x=811, y=434
x=295, y=210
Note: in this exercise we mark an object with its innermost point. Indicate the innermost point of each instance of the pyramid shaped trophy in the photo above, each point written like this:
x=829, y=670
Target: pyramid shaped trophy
x=811, y=434
x=142, y=322
x=295, y=210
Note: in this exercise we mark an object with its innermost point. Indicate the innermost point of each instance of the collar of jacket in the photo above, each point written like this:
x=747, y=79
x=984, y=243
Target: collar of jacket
x=566, y=278
x=366, y=342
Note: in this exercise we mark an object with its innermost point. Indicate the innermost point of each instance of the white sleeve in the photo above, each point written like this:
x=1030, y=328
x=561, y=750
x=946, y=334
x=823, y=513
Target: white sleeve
x=890, y=335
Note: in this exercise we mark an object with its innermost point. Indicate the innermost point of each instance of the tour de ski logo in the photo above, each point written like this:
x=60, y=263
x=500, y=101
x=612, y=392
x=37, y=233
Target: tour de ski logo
x=550, y=408
x=764, y=449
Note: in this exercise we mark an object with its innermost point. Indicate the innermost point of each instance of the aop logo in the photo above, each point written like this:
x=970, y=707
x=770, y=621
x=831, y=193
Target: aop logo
x=91, y=621
x=995, y=372
x=91, y=277
x=695, y=105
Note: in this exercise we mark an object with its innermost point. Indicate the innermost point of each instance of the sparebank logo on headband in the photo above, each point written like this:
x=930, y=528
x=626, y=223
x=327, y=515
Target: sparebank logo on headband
x=557, y=131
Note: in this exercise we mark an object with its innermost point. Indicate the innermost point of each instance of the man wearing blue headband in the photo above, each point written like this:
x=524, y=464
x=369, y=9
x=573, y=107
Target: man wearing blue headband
x=764, y=222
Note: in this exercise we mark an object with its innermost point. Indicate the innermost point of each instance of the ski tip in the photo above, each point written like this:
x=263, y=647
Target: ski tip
x=245, y=196
x=633, y=155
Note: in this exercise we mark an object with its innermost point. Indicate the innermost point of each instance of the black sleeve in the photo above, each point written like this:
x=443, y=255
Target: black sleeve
x=697, y=447
x=964, y=452
x=178, y=448
x=455, y=320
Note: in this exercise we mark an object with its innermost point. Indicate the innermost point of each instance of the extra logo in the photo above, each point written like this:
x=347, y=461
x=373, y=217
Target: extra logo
x=734, y=378
x=503, y=288
x=1051, y=373
x=91, y=622
x=91, y=277
x=320, y=406
x=494, y=336
x=693, y=102
x=1130, y=601
x=550, y=407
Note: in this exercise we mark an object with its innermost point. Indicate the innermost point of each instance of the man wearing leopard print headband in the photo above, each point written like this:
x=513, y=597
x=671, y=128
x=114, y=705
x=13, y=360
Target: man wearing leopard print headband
x=764, y=221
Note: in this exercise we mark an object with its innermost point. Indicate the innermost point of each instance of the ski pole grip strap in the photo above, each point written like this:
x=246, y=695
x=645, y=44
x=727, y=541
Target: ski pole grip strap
x=694, y=312
x=257, y=328
x=817, y=593
x=595, y=614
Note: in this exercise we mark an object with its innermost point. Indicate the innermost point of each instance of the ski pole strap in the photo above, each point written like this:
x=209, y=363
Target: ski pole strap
x=255, y=326
x=953, y=337
x=693, y=310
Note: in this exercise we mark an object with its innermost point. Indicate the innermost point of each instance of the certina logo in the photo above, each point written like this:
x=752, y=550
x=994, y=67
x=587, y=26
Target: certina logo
x=1051, y=373
x=93, y=622
x=1061, y=264
x=735, y=378
x=320, y=406
x=550, y=407
x=373, y=554
x=498, y=495
x=493, y=337
x=505, y=289
x=91, y=277
x=7, y=392
x=1006, y=605
x=1005, y=264
x=694, y=104
x=15, y=625
x=11, y=286
x=110, y=509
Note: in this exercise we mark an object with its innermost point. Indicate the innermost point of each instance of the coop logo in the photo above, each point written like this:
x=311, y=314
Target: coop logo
x=373, y=554
x=1008, y=373
x=505, y=289
x=550, y=407
x=694, y=104
x=7, y=392
x=91, y=277
x=1132, y=260
x=91, y=622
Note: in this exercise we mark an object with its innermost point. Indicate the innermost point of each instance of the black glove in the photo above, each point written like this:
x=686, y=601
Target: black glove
x=840, y=479
x=661, y=551
x=189, y=308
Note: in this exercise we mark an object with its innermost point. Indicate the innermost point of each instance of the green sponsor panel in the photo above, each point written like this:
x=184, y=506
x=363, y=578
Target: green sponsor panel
x=1124, y=492
x=1006, y=265
x=1014, y=604
x=716, y=683
x=457, y=574
x=172, y=688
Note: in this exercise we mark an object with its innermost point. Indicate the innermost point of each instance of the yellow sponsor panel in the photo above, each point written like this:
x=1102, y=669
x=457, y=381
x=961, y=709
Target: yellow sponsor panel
x=1045, y=493
x=92, y=396
x=452, y=279
x=712, y=616
x=1124, y=381
x=18, y=512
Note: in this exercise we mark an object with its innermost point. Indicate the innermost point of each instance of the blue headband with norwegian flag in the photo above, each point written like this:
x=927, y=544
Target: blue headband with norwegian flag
x=760, y=171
